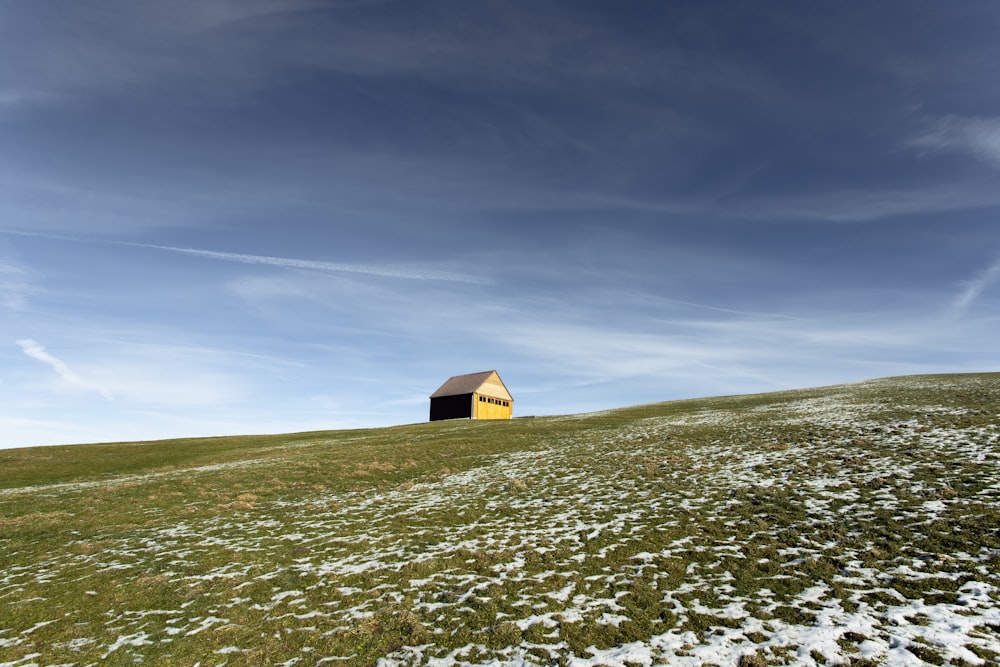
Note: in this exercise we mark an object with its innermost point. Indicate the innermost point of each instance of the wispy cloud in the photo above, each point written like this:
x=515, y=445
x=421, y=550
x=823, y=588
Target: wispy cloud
x=37, y=352
x=381, y=271
x=979, y=136
x=14, y=287
x=864, y=204
x=14, y=99
x=972, y=289
x=314, y=265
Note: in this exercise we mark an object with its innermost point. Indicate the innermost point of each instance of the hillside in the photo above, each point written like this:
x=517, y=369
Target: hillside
x=857, y=524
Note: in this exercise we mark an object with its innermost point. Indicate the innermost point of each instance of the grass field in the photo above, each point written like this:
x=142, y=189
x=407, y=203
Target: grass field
x=856, y=524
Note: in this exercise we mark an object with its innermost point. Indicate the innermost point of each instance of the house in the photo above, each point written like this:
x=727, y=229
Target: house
x=473, y=396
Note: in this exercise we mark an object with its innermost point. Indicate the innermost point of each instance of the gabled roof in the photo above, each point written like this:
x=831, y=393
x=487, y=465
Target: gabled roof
x=487, y=383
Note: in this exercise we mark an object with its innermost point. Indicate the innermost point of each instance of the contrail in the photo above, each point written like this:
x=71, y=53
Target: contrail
x=286, y=262
x=292, y=263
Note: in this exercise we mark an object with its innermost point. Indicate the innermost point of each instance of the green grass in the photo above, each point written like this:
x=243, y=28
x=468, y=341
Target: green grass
x=721, y=530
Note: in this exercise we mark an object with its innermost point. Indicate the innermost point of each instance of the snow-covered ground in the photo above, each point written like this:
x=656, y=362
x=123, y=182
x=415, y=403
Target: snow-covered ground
x=809, y=533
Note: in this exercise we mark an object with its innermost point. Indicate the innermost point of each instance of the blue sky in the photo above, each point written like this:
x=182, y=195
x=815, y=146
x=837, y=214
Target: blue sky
x=255, y=216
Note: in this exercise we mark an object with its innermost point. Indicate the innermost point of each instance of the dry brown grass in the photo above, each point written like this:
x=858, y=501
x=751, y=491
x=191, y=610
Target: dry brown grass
x=516, y=484
x=753, y=660
x=38, y=519
x=244, y=501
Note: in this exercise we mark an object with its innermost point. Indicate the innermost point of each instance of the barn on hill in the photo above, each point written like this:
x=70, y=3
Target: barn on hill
x=473, y=396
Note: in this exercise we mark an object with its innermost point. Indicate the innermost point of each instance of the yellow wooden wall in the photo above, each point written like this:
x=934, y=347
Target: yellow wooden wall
x=485, y=407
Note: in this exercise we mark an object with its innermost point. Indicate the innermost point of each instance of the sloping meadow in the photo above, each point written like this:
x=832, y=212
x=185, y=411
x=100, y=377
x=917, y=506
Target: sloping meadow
x=857, y=524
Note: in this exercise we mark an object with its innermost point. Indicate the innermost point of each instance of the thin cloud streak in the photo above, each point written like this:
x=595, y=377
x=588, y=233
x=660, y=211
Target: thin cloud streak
x=14, y=287
x=975, y=287
x=37, y=352
x=979, y=136
x=286, y=262
x=292, y=263
x=868, y=205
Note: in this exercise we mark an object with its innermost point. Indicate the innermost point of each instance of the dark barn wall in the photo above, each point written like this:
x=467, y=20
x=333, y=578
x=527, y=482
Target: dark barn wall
x=451, y=407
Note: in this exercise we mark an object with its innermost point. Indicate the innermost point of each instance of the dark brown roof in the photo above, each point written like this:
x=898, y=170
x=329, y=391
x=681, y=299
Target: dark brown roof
x=473, y=384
